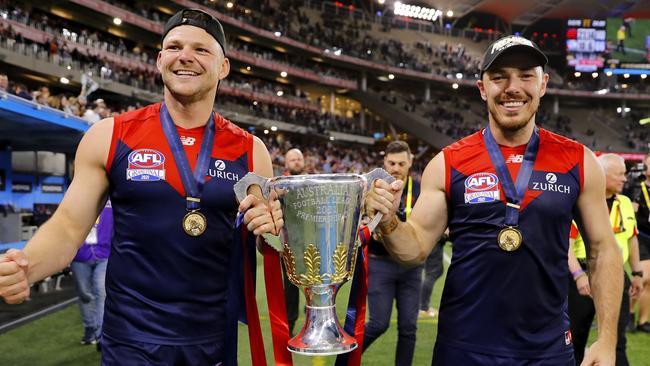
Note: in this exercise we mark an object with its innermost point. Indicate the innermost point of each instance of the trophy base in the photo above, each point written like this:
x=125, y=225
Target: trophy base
x=322, y=334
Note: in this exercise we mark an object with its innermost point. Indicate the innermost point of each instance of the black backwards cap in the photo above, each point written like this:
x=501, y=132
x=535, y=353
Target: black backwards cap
x=509, y=43
x=200, y=19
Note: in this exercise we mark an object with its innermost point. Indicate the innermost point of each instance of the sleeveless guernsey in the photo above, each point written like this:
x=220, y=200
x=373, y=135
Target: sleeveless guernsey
x=164, y=286
x=510, y=304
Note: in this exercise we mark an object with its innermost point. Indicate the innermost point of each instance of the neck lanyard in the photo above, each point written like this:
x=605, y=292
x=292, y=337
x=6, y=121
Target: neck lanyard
x=644, y=189
x=618, y=226
x=409, y=198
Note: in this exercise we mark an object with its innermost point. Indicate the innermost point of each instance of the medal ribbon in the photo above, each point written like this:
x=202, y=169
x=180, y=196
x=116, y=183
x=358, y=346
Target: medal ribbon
x=355, y=318
x=192, y=183
x=277, y=307
x=514, y=194
x=241, y=304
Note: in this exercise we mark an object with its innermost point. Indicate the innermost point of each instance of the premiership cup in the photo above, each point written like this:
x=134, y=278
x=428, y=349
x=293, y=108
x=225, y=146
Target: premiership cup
x=318, y=245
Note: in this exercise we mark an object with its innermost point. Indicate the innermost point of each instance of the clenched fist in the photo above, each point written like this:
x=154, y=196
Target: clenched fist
x=384, y=198
x=14, y=287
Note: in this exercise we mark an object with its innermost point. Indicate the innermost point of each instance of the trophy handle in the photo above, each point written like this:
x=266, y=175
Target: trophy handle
x=371, y=177
x=241, y=191
x=251, y=179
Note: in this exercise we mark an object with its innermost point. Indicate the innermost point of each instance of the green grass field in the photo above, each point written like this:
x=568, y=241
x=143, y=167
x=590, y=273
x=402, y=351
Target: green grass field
x=634, y=45
x=53, y=340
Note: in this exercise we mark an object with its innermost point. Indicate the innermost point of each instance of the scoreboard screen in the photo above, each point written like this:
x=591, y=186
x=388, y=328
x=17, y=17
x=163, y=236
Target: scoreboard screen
x=586, y=44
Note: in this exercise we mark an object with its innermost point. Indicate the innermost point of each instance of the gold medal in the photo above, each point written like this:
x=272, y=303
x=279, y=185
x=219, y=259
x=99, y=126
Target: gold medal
x=194, y=223
x=509, y=239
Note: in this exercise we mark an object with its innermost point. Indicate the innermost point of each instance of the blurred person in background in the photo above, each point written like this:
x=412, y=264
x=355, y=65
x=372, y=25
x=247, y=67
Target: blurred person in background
x=623, y=224
x=641, y=199
x=89, y=269
x=389, y=280
x=294, y=164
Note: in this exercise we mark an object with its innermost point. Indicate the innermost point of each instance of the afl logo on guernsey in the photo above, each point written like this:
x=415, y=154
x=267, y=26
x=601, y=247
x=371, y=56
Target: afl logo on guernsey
x=146, y=165
x=481, y=187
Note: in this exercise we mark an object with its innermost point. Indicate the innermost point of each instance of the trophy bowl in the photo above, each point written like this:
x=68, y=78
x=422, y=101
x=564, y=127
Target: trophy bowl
x=319, y=247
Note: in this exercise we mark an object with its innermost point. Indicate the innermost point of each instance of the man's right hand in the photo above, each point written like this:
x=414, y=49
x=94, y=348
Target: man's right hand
x=14, y=287
x=384, y=198
x=582, y=283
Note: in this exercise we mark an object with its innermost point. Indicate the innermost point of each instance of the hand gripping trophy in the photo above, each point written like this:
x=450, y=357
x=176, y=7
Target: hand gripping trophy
x=318, y=245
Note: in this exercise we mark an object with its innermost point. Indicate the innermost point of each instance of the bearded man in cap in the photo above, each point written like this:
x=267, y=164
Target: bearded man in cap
x=169, y=170
x=508, y=194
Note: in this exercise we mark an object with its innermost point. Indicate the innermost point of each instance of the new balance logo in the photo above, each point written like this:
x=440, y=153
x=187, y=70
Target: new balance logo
x=515, y=159
x=188, y=141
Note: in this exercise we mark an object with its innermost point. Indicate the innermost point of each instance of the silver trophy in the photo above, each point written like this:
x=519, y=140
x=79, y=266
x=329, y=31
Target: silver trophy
x=318, y=245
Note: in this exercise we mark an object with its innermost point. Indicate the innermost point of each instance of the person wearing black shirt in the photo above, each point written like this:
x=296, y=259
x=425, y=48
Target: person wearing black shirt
x=641, y=199
x=387, y=279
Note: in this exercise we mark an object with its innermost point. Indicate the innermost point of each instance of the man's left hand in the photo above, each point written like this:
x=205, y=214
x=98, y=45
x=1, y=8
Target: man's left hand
x=261, y=218
x=636, y=288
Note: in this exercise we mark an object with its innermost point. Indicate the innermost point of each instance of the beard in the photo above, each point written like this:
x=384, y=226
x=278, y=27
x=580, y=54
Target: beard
x=511, y=124
x=297, y=171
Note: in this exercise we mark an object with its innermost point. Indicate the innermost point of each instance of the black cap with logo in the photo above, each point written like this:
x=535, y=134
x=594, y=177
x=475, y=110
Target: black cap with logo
x=198, y=18
x=509, y=43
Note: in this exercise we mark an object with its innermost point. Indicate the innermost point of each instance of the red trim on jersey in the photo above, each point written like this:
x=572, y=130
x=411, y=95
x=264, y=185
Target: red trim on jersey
x=581, y=168
x=117, y=129
x=447, y=155
x=574, y=231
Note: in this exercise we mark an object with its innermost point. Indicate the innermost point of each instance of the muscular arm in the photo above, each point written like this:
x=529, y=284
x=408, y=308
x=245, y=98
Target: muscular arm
x=262, y=165
x=605, y=262
x=412, y=241
x=57, y=241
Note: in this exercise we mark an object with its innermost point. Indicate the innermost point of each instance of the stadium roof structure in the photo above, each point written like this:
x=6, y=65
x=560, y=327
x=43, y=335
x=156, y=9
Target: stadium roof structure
x=527, y=12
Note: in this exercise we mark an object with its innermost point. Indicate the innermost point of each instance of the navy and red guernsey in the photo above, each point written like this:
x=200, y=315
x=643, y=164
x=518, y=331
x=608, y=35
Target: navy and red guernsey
x=509, y=304
x=164, y=286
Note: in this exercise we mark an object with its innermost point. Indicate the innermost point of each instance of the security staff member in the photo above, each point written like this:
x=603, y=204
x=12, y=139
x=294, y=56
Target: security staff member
x=581, y=306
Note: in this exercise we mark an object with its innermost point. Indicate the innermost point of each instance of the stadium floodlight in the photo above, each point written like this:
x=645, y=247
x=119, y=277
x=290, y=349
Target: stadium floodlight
x=284, y=74
x=415, y=11
x=64, y=80
x=117, y=21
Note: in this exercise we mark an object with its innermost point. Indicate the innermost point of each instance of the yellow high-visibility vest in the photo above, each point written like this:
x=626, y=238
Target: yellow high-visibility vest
x=623, y=221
